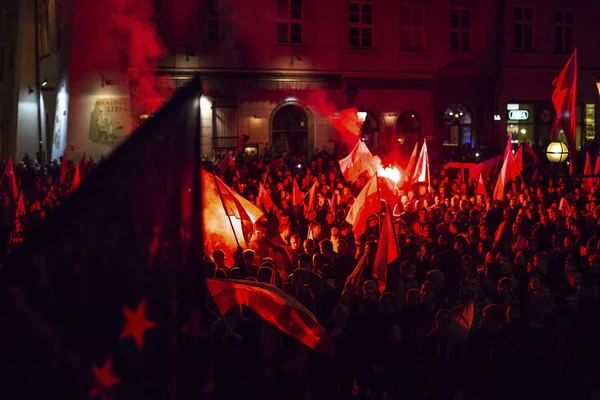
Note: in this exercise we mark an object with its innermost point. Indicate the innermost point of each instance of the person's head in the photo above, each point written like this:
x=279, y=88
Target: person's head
x=387, y=304
x=540, y=262
x=409, y=270
x=309, y=247
x=442, y=321
x=210, y=267
x=492, y=319
x=520, y=259
x=295, y=241
x=370, y=290
x=466, y=265
x=249, y=256
x=330, y=218
x=532, y=245
x=513, y=313
x=304, y=261
x=219, y=257
x=472, y=283
x=316, y=229
x=535, y=283
x=575, y=279
x=413, y=299
x=319, y=261
x=264, y=274
x=326, y=248
x=505, y=287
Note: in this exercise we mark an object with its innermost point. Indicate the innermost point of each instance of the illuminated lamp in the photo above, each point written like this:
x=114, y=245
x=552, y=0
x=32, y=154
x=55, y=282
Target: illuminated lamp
x=362, y=114
x=557, y=152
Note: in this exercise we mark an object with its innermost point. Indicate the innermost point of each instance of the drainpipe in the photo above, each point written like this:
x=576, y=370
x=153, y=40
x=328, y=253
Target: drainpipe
x=38, y=91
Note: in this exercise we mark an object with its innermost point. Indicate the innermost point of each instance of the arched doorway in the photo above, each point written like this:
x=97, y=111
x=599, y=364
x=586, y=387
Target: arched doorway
x=289, y=130
x=408, y=130
x=459, y=125
x=370, y=132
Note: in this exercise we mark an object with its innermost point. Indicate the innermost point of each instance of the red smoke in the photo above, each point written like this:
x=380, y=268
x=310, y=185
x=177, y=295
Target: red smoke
x=119, y=37
x=346, y=122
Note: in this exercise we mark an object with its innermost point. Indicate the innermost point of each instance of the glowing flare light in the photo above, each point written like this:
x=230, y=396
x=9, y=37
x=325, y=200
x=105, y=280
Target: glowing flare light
x=392, y=173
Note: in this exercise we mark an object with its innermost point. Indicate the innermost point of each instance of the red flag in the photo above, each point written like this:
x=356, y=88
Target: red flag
x=366, y=203
x=265, y=198
x=564, y=99
x=352, y=284
x=63, y=170
x=76, y=178
x=517, y=164
x=597, y=170
x=310, y=199
x=462, y=320
x=9, y=172
x=481, y=189
x=588, y=183
x=485, y=168
x=530, y=151
x=297, y=195
x=334, y=202
x=20, y=206
x=274, y=306
x=387, y=251
x=410, y=168
x=358, y=161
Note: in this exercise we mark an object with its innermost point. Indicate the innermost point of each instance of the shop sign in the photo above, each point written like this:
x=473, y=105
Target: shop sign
x=518, y=115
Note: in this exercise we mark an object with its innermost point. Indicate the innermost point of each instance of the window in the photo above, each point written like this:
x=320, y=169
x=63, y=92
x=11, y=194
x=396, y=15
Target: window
x=361, y=24
x=289, y=21
x=524, y=28
x=219, y=22
x=590, y=122
x=564, y=31
x=460, y=29
x=412, y=27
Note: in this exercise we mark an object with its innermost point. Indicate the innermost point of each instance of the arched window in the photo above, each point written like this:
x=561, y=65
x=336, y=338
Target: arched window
x=289, y=129
x=459, y=122
x=370, y=132
x=408, y=129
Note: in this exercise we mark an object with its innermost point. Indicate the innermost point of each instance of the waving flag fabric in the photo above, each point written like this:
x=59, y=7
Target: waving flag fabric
x=387, y=251
x=367, y=203
x=358, y=161
x=87, y=299
x=274, y=306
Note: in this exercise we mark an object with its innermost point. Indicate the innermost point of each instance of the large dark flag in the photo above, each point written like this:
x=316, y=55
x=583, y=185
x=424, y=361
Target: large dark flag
x=94, y=302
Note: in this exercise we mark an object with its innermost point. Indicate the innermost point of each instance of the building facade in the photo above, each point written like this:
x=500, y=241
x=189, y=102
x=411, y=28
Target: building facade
x=458, y=72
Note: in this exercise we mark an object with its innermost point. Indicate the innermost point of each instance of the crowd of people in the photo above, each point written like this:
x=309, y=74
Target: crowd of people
x=530, y=264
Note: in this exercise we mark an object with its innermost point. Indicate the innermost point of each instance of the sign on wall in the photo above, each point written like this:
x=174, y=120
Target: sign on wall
x=518, y=115
x=110, y=121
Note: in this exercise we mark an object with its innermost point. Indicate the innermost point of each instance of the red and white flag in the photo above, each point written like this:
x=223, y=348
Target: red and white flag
x=265, y=198
x=412, y=161
x=421, y=173
x=588, y=183
x=527, y=148
x=485, y=168
x=509, y=171
x=226, y=163
x=9, y=172
x=564, y=99
x=387, y=251
x=297, y=195
x=275, y=307
x=352, y=283
x=366, y=204
x=481, y=189
x=310, y=199
x=358, y=161
x=565, y=207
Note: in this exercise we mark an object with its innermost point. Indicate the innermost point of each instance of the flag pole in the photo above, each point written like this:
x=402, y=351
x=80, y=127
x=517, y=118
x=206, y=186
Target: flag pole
x=225, y=209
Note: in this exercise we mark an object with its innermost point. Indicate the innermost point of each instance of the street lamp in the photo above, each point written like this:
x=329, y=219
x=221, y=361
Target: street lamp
x=557, y=152
x=362, y=114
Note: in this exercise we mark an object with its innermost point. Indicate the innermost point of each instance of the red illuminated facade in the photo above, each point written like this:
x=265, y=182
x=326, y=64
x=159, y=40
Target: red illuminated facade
x=448, y=70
